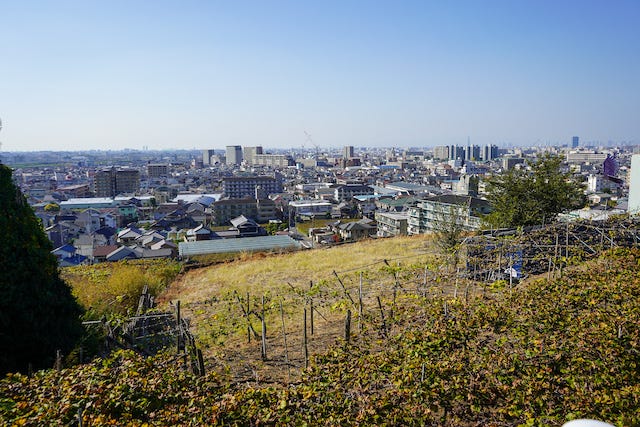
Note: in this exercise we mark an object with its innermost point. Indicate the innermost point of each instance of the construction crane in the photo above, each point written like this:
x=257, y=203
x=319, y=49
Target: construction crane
x=310, y=140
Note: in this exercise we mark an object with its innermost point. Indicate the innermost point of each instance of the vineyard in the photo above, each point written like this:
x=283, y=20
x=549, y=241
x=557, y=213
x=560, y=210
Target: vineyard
x=395, y=338
x=543, y=249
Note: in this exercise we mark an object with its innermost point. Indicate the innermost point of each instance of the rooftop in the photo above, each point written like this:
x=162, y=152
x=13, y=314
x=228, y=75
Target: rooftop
x=247, y=244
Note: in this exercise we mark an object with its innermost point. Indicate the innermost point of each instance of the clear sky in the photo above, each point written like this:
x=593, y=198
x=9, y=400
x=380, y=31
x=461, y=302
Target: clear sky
x=204, y=74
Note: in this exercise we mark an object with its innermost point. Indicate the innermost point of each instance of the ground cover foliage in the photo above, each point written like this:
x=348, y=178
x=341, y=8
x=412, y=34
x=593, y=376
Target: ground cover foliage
x=540, y=354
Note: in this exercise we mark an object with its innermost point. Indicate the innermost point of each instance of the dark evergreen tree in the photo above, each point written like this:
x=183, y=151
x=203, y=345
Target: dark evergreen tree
x=38, y=313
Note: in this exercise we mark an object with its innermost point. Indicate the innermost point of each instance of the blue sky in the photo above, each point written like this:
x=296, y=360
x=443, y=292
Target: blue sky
x=205, y=74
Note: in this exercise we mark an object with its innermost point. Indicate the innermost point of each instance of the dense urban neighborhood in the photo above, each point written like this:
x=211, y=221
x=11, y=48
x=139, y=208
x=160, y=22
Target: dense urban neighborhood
x=102, y=206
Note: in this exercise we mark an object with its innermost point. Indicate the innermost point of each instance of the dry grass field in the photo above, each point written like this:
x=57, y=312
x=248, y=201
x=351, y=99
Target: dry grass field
x=216, y=298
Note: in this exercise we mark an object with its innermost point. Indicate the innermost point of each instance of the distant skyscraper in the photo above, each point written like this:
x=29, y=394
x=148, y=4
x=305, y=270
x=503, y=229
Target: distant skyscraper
x=250, y=154
x=456, y=152
x=471, y=152
x=206, y=157
x=575, y=141
x=489, y=152
x=441, y=152
x=234, y=154
x=348, y=152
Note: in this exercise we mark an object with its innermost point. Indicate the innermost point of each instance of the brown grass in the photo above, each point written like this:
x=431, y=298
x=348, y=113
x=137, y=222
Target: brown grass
x=260, y=273
x=212, y=298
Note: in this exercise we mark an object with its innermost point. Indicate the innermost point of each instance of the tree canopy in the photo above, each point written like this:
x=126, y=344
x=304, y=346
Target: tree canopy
x=522, y=197
x=38, y=314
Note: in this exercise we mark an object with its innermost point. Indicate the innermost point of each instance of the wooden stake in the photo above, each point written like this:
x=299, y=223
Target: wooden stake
x=566, y=242
x=455, y=290
x=304, y=340
x=58, y=364
x=360, y=307
x=284, y=337
x=347, y=327
x=311, y=308
x=264, y=333
x=179, y=320
x=248, y=311
x=200, y=362
x=343, y=287
x=384, y=325
x=247, y=314
x=424, y=282
x=555, y=254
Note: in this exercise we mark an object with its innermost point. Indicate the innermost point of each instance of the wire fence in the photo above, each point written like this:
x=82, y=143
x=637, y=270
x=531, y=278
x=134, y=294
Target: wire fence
x=339, y=306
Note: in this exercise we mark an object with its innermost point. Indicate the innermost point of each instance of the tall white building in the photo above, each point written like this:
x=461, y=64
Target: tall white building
x=234, y=154
x=206, y=156
x=250, y=154
x=348, y=152
x=634, y=185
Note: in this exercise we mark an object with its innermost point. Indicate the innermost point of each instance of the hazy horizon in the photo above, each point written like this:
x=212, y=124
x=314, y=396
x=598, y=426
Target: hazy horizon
x=198, y=74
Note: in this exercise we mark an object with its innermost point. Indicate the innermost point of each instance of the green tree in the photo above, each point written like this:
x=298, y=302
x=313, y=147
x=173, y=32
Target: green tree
x=448, y=228
x=273, y=227
x=52, y=207
x=522, y=197
x=38, y=314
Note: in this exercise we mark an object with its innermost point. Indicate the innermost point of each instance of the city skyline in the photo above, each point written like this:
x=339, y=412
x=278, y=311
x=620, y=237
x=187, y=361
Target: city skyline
x=80, y=76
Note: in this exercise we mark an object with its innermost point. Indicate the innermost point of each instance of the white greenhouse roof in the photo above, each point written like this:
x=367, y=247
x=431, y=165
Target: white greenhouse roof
x=248, y=244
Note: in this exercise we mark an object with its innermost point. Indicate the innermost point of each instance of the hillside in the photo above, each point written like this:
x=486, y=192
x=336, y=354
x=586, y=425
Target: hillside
x=216, y=299
x=539, y=354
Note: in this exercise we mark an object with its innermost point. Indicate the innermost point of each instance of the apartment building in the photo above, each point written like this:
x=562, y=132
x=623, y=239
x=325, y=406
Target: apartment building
x=158, y=170
x=111, y=182
x=391, y=224
x=425, y=216
x=241, y=187
x=261, y=210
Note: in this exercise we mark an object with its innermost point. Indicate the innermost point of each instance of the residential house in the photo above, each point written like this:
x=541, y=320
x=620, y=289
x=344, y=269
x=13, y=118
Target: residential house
x=247, y=227
x=149, y=238
x=63, y=232
x=198, y=233
x=166, y=244
x=67, y=256
x=352, y=231
x=177, y=219
x=128, y=213
x=366, y=205
x=310, y=208
x=100, y=252
x=129, y=235
x=84, y=245
x=148, y=253
x=105, y=236
x=123, y=252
